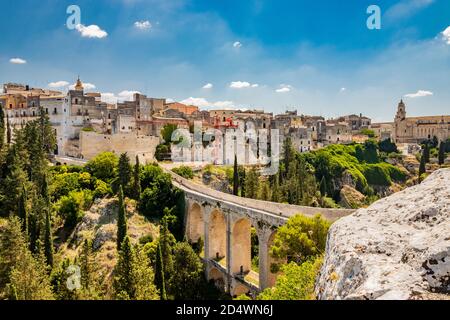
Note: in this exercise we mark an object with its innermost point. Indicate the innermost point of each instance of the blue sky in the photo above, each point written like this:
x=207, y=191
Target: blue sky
x=315, y=56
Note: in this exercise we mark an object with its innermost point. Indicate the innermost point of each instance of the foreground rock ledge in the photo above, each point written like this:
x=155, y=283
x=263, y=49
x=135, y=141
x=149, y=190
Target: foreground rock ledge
x=398, y=248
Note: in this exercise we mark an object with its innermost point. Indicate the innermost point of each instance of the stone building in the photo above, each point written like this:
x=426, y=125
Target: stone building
x=418, y=129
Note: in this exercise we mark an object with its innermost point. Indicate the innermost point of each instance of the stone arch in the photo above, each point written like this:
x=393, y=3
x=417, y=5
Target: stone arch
x=196, y=223
x=217, y=234
x=217, y=277
x=241, y=246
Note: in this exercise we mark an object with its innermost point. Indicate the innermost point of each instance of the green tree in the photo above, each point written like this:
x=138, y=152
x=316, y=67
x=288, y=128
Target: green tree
x=22, y=211
x=264, y=191
x=121, y=220
x=276, y=188
x=300, y=239
x=235, y=177
x=90, y=281
x=422, y=167
x=323, y=187
x=166, y=132
x=8, y=131
x=295, y=283
x=441, y=156
x=103, y=166
x=160, y=281
x=124, y=274
x=48, y=240
x=187, y=281
x=426, y=153
x=124, y=171
x=137, y=180
x=252, y=183
x=2, y=127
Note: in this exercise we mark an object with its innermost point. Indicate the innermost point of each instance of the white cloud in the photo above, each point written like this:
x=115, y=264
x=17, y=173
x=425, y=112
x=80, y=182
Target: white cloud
x=17, y=61
x=237, y=44
x=284, y=88
x=126, y=95
x=58, y=84
x=208, y=86
x=86, y=86
x=343, y=89
x=143, y=25
x=92, y=31
x=203, y=103
x=242, y=85
x=446, y=35
x=406, y=8
x=419, y=94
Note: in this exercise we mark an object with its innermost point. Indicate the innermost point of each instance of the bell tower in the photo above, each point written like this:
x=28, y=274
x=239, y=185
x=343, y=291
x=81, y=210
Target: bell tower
x=401, y=111
x=79, y=85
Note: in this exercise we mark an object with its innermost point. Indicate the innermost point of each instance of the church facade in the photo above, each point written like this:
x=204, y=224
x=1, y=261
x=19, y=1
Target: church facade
x=418, y=129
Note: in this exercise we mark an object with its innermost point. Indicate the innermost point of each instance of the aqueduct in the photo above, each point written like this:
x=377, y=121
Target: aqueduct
x=224, y=223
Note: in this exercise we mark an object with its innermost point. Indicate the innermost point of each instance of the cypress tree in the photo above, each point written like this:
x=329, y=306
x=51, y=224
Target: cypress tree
x=22, y=211
x=243, y=183
x=426, y=153
x=276, y=188
x=323, y=187
x=124, y=171
x=137, y=180
x=124, y=279
x=167, y=241
x=235, y=177
x=2, y=127
x=48, y=239
x=159, y=273
x=441, y=157
x=121, y=220
x=8, y=131
x=422, y=168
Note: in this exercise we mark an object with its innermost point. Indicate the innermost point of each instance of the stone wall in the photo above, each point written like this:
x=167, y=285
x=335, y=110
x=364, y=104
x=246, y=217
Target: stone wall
x=92, y=143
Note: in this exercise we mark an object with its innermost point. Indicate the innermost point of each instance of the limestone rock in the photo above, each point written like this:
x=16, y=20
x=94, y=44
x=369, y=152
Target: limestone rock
x=398, y=248
x=351, y=198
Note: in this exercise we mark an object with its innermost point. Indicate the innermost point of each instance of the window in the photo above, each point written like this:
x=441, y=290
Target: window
x=76, y=101
x=55, y=111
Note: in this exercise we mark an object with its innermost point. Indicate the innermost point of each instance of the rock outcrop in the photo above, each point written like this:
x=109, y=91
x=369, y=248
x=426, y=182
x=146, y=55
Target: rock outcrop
x=398, y=248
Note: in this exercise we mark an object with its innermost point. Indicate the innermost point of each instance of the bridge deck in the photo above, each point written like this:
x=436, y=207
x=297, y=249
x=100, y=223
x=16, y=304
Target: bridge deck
x=279, y=210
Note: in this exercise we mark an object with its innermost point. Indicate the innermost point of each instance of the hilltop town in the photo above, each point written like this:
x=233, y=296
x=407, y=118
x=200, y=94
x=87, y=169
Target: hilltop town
x=86, y=126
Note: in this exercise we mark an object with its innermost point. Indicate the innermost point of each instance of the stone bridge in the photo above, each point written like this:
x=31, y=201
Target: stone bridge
x=224, y=223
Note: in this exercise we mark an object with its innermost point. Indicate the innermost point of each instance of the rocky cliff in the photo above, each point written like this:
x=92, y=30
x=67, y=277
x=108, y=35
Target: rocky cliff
x=398, y=248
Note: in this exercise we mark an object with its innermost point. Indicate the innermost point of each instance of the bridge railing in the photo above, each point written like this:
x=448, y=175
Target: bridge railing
x=279, y=209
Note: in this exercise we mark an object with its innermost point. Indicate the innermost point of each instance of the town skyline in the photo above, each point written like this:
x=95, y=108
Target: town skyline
x=200, y=53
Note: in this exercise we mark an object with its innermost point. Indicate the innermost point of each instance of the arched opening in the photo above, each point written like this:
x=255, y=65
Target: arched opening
x=241, y=247
x=217, y=237
x=217, y=278
x=196, y=225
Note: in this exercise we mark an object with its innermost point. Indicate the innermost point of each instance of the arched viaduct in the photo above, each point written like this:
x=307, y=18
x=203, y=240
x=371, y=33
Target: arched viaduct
x=224, y=223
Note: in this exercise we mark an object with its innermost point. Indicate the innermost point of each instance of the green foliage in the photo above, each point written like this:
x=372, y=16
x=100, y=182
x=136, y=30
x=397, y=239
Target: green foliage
x=22, y=276
x=166, y=132
x=103, y=166
x=162, y=152
x=441, y=155
x=252, y=183
x=184, y=171
x=124, y=171
x=368, y=132
x=101, y=189
x=422, y=168
x=66, y=182
x=235, y=177
x=121, y=220
x=134, y=276
x=387, y=146
x=71, y=207
x=137, y=180
x=295, y=283
x=300, y=239
x=187, y=281
x=160, y=281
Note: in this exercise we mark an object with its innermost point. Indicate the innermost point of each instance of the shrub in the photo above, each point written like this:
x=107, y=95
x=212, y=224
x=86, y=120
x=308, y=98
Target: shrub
x=184, y=171
x=103, y=166
x=71, y=207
